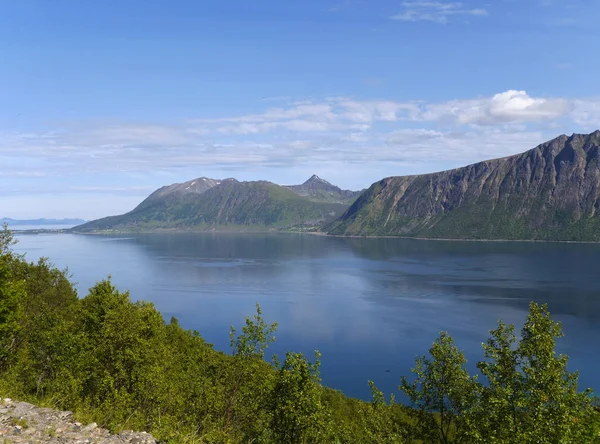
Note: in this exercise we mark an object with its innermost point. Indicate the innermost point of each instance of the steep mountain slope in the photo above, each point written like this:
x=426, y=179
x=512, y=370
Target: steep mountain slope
x=196, y=186
x=319, y=190
x=551, y=192
x=228, y=205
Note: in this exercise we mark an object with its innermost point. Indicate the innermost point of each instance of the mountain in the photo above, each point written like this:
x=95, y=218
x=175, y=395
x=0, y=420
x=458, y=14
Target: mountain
x=211, y=204
x=17, y=222
x=551, y=192
x=319, y=190
x=196, y=186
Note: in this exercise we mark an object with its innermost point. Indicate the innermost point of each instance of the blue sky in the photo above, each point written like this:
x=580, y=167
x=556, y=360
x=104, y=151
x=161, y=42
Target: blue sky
x=103, y=102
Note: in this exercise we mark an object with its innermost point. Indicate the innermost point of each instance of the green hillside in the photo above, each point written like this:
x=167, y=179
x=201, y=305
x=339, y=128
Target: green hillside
x=229, y=205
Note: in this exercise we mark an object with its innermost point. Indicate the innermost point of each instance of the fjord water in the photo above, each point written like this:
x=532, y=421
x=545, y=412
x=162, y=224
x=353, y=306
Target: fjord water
x=369, y=305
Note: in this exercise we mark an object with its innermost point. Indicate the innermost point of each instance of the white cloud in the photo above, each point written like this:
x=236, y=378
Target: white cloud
x=337, y=114
x=507, y=107
x=435, y=11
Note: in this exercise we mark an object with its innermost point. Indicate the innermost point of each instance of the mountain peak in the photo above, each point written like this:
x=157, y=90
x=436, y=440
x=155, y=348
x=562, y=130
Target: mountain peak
x=315, y=178
x=319, y=190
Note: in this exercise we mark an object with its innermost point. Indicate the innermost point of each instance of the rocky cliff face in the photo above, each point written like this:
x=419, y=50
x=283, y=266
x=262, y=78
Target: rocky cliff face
x=551, y=192
x=21, y=422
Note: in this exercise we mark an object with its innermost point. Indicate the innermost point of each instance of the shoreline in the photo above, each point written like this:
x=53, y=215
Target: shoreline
x=456, y=239
x=317, y=233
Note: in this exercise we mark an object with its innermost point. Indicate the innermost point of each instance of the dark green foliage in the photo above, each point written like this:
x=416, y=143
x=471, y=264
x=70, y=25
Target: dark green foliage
x=11, y=293
x=384, y=423
x=530, y=397
x=250, y=380
x=118, y=363
x=299, y=415
x=443, y=394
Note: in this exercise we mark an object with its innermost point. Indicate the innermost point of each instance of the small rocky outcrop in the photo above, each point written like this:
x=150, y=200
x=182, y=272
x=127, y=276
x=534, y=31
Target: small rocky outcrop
x=21, y=422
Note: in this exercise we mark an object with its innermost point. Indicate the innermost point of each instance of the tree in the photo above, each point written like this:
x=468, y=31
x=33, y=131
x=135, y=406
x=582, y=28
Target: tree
x=12, y=292
x=379, y=423
x=502, y=399
x=443, y=394
x=552, y=408
x=119, y=354
x=255, y=338
x=530, y=395
x=48, y=307
x=299, y=415
x=248, y=350
x=6, y=241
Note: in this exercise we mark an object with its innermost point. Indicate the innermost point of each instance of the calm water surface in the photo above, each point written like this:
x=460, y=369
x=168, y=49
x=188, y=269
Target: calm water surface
x=369, y=305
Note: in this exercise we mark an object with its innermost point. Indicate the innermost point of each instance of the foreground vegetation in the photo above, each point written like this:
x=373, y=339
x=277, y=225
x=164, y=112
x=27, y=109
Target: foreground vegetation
x=118, y=363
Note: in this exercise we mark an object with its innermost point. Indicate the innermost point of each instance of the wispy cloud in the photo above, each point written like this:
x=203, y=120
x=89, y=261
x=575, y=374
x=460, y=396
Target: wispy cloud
x=387, y=136
x=344, y=114
x=334, y=114
x=435, y=11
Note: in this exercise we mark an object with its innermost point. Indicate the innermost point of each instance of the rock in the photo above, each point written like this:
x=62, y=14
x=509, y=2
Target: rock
x=65, y=415
x=90, y=427
x=21, y=422
x=22, y=408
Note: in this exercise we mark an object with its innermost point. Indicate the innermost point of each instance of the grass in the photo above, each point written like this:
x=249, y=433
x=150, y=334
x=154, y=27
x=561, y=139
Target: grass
x=21, y=422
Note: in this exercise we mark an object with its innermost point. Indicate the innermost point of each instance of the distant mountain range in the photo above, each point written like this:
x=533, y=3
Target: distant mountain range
x=551, y=192
x=18, y=222
x=211, y=204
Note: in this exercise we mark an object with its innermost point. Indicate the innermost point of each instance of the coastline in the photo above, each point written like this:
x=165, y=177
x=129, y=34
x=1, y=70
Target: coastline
x=313, y=233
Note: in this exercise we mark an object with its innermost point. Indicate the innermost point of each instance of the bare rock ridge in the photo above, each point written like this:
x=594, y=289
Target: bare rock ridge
x=21, y=422
x=551, y=192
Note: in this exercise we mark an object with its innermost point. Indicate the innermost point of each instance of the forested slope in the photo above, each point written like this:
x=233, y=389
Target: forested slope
x=118, y=363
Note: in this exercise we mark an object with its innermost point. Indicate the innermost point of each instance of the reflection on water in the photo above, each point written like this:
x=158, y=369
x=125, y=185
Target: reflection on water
x=368, y=305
